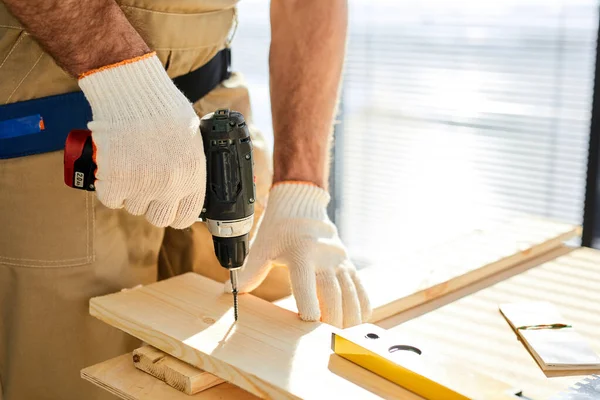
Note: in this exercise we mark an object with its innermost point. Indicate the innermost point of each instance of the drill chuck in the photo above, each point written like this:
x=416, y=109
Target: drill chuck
x=230, y=239
x=231, y=252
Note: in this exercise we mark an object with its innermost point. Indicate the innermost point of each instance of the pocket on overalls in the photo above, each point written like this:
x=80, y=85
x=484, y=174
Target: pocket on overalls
x=10, y=39
x=43, y=222
x=185, y=37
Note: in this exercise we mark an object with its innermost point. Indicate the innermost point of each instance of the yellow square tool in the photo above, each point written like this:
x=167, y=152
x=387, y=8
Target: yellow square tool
x=416, y=366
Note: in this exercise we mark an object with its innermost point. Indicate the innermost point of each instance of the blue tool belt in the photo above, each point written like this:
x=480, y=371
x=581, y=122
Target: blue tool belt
x=42, y=125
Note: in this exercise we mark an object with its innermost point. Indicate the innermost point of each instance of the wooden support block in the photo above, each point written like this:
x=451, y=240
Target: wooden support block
x=549, y=337
x=269, y=351
x=119, y=377
x=172, y=371
x=463, y=261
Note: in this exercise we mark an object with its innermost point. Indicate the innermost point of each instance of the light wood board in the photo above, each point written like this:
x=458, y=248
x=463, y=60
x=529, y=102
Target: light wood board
x=268, y=351
x=173, y=371
x=119, y=377
x=554, y=349
x=472, y=331
x=458, y=263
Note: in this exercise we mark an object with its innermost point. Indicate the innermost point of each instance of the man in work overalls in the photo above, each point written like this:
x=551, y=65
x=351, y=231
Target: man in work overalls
x=138, y=74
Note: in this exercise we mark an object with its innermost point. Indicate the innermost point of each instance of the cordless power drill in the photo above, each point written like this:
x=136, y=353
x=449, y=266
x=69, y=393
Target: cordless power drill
x=230, y=188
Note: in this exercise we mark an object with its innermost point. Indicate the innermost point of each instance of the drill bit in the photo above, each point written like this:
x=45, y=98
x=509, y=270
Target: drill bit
x=233, y=277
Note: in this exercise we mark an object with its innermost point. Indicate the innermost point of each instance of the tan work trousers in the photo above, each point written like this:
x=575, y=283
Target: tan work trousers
x=59, y=246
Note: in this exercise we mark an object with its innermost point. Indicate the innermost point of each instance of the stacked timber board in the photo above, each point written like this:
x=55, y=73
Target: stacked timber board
x=121, y=378
x=206, y=336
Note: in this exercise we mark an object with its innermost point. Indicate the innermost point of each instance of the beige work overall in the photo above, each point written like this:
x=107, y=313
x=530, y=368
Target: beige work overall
x=59, y=246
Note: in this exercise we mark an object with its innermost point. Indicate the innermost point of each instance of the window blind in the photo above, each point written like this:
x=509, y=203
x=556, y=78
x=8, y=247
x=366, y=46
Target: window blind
x=250, y=55
x=460, y=113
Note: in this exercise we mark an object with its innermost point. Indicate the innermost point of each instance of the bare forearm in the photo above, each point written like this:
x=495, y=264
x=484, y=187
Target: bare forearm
x=308, y=39
x=79, y=35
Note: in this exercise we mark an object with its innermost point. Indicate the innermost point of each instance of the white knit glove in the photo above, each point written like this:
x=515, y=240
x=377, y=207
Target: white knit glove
x=295, y=231
x=149, y=149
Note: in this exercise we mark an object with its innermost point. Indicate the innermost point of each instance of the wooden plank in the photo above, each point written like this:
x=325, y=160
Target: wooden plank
x=413, y=280
x=173, y=371
x=472, y=331
x=269, y=351
x=550, y=338
x=119, y=377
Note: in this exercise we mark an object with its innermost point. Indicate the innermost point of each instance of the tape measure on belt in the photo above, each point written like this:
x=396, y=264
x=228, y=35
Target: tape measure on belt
x=42, y=125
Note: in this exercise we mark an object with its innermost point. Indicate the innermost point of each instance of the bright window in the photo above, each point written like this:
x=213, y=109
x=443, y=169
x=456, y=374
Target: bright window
x=455, y=114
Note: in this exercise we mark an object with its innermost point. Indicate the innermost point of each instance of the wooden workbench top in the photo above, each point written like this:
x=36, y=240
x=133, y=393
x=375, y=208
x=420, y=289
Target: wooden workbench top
x=471, y=329
x=465, y=325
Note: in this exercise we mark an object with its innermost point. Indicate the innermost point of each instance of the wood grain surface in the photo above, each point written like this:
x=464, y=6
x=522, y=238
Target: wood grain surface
x=472, y=330
x=269, y=351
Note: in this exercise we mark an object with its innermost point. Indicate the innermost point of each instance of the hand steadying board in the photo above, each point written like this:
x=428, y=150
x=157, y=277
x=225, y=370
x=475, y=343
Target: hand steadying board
x=456, y=264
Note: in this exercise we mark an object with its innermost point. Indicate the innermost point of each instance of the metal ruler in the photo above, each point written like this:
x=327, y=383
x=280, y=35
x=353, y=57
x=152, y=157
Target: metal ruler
x=587, y=389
